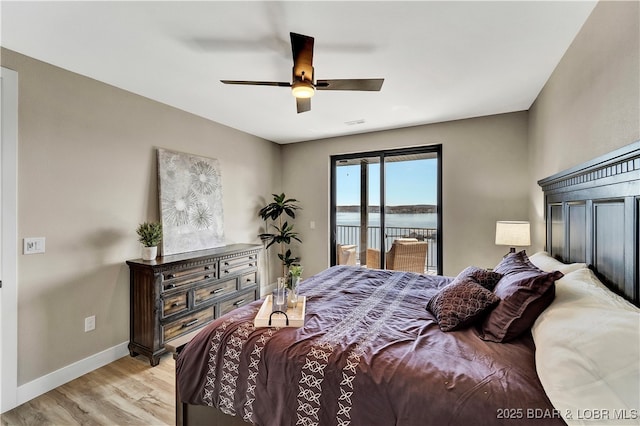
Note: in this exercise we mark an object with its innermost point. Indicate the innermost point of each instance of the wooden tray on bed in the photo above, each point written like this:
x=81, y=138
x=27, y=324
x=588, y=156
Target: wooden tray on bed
x=295, y=315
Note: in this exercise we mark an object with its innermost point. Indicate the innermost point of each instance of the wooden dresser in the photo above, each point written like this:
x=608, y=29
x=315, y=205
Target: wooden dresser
x=175, y=295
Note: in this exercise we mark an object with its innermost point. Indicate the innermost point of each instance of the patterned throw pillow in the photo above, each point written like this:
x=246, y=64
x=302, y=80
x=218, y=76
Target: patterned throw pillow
x=460, y=303
x=486, y=278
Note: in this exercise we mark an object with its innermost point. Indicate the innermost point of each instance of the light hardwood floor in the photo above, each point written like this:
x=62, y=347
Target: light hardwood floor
x=126, y=392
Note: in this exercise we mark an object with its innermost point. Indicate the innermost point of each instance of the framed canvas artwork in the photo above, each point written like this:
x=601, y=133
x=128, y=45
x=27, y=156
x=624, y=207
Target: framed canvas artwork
x=190, y=191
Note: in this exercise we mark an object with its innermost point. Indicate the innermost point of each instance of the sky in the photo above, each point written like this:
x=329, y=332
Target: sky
x=408, y=182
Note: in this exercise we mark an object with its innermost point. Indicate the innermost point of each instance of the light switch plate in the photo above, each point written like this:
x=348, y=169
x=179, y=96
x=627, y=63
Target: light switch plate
x=33, y=245
x=90, y=323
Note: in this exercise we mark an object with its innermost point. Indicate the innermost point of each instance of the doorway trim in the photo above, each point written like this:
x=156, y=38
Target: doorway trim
x=9, y=240
x=334, y=159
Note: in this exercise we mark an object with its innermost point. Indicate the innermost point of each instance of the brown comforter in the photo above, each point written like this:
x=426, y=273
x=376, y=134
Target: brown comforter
x=368, y=354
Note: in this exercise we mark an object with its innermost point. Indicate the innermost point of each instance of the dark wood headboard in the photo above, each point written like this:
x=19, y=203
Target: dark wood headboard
x=592, y=216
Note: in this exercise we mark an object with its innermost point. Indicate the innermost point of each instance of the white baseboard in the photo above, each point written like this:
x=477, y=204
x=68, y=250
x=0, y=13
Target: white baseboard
x=50, y=381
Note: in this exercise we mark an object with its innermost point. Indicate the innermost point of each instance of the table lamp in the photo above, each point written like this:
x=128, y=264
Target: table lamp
x=512, y=233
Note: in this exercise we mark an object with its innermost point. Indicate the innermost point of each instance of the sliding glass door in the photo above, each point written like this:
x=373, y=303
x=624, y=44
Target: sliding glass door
x=386, y=209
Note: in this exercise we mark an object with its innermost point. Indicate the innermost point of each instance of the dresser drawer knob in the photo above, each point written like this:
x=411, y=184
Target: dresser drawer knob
x=207, y=268
x=170, y=286
x=226, y=263
x=226, y=271
x=176, y=304
x=190, y=323
x=239, y=302
x=206, y=277
x=249, y=280
x=169, y=276
x=217, y=290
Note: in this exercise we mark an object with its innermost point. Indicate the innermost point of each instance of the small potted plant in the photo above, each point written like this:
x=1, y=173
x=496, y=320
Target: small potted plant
x=150, y=234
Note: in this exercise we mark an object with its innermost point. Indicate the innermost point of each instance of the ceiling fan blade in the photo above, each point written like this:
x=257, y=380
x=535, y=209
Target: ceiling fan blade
x=303, y=104
x=302, y=50
x=257, y=83
x=364, y=84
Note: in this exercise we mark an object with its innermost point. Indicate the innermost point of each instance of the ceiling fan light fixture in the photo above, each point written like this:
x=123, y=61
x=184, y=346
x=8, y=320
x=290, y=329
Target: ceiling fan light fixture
x=302, y=77
x=302, y=89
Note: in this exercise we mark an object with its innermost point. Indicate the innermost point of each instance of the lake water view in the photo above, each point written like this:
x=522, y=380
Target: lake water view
x=411, y=220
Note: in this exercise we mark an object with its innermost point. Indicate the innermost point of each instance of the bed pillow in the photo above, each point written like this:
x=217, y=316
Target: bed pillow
x=525, y=291
x=486, y=278
x=593, y=361
x=515, y=262
x=546, y=262
x=589, y=283
x=460, y=303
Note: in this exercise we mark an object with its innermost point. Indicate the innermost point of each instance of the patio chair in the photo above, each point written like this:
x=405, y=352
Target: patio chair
x=406, y=254
x=346, y=254
x=373, y=258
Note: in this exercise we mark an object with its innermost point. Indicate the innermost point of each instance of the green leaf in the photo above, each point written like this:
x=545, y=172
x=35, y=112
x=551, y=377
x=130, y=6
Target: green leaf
x=149, y=233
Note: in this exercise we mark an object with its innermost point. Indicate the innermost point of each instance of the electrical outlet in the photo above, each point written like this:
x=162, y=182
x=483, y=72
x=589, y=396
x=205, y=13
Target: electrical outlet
x=90, y=323
x=33, y=245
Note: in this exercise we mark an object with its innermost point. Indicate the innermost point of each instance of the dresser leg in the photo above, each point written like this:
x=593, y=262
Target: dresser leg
x=133, y=353
x=154, y=360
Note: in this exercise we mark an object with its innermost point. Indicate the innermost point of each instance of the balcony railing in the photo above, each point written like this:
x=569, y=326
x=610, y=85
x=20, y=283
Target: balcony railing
x=350, y=234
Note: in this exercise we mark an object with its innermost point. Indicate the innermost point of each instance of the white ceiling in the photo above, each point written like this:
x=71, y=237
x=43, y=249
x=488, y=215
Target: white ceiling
x=441, y=60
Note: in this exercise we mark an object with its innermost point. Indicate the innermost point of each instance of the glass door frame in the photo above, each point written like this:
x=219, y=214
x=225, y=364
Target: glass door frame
x=335, y=159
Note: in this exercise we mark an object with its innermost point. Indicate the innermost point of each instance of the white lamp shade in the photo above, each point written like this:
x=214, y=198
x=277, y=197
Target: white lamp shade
x=513, y=233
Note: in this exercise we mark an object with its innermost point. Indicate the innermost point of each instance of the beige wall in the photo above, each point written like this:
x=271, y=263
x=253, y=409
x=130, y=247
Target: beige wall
x=591, y=103
x=485, y=179
x=87, y=177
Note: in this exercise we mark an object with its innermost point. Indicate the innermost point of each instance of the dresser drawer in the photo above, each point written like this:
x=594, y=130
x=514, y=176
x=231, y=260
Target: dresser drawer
x=238, y=264
x=236, y=302
x=249, y=279
x=186, y=324
x=217, y=289
x=182, y=277
x=239, y=260
x=174, y=304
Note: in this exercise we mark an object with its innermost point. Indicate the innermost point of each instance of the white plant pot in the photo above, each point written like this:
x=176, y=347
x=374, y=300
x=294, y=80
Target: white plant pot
x=149, y=253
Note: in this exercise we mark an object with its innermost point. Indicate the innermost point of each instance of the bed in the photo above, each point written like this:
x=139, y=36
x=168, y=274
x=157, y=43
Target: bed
x=549, y=338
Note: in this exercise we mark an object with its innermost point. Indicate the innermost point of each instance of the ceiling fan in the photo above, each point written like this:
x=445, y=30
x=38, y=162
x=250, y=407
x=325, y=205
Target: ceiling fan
x=303, y=84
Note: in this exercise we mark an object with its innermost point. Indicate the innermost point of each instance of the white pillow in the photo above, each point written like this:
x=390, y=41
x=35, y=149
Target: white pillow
x=585, y=283
x=588, y=352
x=544, y=261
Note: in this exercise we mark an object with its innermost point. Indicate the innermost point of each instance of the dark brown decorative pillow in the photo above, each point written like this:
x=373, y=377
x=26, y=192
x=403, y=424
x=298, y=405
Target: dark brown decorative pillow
x=524, y=295
x=460, y=303
x=486, y=278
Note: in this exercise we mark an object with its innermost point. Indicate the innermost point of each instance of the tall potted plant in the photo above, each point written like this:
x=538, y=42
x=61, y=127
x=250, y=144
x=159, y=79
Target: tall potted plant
x=284, y=232
x=149, y=234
